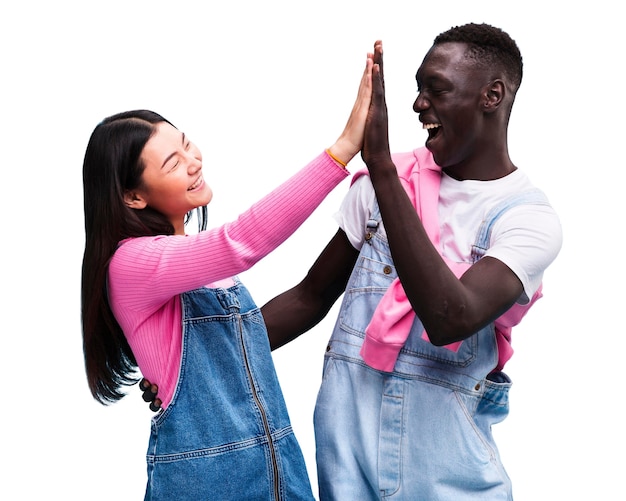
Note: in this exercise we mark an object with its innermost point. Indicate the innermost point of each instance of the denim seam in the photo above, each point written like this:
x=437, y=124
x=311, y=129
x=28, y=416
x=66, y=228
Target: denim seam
x=219, y=450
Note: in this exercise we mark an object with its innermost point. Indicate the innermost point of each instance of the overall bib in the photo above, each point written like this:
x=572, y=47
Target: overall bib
x=423, y=431
x=226, y=434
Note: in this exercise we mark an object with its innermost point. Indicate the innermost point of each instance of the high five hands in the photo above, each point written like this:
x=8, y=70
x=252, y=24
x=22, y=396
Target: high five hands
x=376, y=152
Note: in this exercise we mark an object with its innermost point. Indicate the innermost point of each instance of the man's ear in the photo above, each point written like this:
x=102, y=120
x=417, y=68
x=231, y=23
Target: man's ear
x=494, y=95
x=134, y=200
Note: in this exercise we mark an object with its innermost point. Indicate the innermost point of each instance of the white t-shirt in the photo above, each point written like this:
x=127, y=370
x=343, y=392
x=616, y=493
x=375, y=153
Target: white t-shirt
x=527, y=238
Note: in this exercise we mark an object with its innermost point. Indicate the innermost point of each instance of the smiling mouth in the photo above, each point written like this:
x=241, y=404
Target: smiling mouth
x=433, y=129
x=196, y=184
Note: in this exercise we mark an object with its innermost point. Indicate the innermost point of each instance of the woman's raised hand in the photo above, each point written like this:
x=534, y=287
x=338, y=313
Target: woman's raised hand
x=350, y=141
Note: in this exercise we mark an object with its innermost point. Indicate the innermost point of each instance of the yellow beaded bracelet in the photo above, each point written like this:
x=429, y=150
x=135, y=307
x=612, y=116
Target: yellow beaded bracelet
x=335, y=158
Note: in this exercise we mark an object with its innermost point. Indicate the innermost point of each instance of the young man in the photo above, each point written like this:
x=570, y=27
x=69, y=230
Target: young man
x=440, y=252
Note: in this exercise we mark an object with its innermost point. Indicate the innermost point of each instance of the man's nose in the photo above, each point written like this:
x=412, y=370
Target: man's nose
x=420, y=104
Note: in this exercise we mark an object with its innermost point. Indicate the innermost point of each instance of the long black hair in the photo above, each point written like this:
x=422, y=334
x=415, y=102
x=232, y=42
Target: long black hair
x=113, y=166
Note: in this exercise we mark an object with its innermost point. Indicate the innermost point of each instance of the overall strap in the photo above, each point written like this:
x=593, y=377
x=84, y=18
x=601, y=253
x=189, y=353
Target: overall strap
x=483, y=237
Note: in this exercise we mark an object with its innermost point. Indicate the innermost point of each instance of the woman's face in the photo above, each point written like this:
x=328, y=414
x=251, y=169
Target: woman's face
x=172, y=182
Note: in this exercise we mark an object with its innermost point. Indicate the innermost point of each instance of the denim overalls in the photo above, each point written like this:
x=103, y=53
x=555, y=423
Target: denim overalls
x=226, y=434
x=423, y=431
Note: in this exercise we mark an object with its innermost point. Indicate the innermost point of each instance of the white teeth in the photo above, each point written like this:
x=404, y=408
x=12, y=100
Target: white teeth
x=196, y=184
x=430, y=126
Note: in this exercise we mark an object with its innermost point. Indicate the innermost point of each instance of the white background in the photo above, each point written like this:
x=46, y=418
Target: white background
x=262, y=87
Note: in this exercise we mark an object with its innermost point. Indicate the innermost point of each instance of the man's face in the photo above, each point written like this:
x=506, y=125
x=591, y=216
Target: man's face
x=449, y=105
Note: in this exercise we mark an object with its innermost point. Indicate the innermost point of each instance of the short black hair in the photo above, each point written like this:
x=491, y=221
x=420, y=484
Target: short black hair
x=488, y=46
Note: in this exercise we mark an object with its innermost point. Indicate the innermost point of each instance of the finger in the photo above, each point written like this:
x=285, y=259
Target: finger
x=365, y=86
x=156, y=405
x=150, y=393
x=144, y=384
x=378, y=56
x=378, y=85
x=364, y=94
x=363, y=100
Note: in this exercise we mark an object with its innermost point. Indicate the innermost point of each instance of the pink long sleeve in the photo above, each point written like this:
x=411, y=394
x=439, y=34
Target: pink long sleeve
x=147, y=274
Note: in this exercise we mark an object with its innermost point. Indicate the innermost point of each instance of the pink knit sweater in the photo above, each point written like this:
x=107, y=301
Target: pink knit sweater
x=147, y=274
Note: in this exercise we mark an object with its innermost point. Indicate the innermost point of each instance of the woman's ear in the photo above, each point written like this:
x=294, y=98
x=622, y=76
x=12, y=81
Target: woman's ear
x=134, y=200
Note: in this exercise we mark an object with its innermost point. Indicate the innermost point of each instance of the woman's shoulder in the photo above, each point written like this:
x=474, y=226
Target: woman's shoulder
x=133, y=251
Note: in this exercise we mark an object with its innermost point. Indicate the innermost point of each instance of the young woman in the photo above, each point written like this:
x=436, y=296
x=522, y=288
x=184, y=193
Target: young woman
x=171, y=305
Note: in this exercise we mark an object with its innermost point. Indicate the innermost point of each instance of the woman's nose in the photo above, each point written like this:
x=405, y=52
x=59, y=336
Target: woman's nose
x=194, y=162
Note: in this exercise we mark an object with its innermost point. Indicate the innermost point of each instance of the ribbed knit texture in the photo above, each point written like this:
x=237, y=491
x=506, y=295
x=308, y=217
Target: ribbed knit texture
x=147, y=274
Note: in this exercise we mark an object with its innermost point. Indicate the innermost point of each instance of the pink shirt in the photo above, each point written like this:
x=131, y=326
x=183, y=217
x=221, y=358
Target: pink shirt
x=147, y=274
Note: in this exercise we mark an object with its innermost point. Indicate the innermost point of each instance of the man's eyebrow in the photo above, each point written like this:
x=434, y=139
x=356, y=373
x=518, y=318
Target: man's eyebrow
x=182, y=141
x=431, y=79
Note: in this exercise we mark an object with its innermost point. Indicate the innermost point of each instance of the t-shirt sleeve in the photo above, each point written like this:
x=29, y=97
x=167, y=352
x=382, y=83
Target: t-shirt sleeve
x=527, y=239
x=355, y=210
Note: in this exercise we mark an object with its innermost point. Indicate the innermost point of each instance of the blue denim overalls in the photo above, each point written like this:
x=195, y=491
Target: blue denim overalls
x=423, y=431
x=226, y=434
